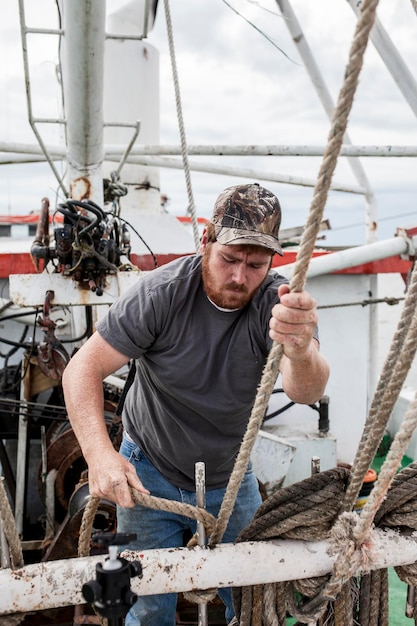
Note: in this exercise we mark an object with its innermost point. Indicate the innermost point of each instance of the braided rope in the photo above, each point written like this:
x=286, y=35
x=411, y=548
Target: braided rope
x=309, y=511
x=335, y=140
x=9, y=529
x=184, y=151
x=159, y=504
x=387, y=473
x=14, y=545
x=394, y=372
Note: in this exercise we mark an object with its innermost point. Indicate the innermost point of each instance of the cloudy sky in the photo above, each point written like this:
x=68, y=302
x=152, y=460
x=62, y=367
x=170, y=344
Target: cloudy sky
x=243, y=83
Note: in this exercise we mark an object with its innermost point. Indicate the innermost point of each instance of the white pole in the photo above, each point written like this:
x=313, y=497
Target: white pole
x=323, y=93
x=352, y=257
x=393, y=60
x=52, y=584
x=58, y=152
x=82, y=75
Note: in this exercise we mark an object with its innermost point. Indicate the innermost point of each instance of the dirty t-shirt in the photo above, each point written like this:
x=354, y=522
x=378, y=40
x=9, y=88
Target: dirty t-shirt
x=197, y=369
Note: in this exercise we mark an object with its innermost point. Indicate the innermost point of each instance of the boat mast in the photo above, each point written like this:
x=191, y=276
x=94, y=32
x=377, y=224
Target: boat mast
x=83, y=76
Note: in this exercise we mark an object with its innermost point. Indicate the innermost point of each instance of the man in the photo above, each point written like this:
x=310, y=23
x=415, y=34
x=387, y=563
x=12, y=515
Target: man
x=200, y=329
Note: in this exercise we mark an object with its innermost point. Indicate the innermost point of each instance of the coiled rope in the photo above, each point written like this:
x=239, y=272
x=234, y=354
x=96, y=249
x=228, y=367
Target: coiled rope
x=308, y=510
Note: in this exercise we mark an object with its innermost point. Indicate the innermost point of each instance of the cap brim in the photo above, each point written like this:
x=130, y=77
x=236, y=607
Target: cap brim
x=233, y=236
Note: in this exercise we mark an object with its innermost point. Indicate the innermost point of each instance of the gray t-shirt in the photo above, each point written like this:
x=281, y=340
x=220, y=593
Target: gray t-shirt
x=198, y=369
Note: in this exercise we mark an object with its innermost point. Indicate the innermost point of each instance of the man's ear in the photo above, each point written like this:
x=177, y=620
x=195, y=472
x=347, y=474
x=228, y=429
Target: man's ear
x=203, y=241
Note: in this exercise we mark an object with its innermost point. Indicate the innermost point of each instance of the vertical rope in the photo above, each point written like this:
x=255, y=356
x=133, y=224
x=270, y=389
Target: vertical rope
x=10, y=530
x=184, y=152
x=335, y=140
x=387, y=472
x=394, y=372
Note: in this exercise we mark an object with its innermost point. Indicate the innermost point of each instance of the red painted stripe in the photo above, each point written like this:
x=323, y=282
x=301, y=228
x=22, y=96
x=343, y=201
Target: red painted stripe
x=21, y=263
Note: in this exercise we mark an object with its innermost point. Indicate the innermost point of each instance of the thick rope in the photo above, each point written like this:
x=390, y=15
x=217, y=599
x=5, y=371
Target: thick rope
x=351, y=544
x=9, y=529
x=387, y=472
x=159, y=504
x=346, y=565
x=309, y=510
x=335, y=140
x=394, y=372
x=349, y=532
x=14, y=545
x=184, y=150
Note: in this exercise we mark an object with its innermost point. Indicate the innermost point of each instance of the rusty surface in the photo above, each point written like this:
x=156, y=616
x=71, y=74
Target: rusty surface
x=42, y=232
x=81, y=188
x=64, y=455
x=65, y=542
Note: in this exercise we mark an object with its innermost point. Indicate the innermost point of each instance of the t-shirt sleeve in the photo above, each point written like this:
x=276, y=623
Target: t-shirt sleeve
x=129, y=326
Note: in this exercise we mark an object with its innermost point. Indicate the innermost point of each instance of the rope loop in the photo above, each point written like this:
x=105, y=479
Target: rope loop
x=158, y=504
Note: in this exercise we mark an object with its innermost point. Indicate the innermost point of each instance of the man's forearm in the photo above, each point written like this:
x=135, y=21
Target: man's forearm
x=84, y=402
x=304, y=379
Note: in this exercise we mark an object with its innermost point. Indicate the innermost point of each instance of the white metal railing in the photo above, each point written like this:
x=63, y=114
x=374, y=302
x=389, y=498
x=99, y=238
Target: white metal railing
x=58, y=583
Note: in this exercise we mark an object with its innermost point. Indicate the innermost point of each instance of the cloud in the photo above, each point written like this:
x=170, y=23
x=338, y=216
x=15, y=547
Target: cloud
x=238, y=88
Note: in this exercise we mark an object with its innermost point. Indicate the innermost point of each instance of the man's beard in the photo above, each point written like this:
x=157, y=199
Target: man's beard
x=228, y=296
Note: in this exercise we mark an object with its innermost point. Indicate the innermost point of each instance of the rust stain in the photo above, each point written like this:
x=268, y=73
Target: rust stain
x=81, y=188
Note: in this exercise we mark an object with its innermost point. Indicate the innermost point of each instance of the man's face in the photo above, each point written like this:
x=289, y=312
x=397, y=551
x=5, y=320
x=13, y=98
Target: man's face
x=233, y=274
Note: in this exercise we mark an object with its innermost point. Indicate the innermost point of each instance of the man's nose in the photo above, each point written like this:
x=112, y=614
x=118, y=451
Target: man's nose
x=239, y=273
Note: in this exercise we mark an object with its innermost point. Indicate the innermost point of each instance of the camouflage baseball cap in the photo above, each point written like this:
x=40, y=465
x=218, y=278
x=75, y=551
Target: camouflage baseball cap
x=248, y=214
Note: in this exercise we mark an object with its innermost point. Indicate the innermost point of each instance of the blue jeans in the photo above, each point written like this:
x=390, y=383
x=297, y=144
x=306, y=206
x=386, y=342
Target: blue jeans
x=161, y=529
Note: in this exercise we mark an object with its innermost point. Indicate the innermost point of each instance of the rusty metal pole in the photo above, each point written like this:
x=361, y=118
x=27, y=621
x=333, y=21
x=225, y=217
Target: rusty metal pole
x=200, y=493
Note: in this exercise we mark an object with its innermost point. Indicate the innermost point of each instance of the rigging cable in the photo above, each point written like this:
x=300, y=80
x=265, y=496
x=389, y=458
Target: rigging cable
x=191, y=204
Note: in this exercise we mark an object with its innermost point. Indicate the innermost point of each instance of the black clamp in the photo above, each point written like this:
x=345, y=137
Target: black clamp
x=110, y=592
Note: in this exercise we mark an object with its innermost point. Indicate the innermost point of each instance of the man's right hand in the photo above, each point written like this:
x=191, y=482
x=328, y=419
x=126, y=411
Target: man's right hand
x=110, y=476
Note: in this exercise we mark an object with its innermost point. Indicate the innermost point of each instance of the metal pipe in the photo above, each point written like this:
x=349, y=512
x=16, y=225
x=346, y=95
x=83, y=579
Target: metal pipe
x=323, y=93
x=83, y=72
x=50, y=503
x=4, y=548
x=200, y=493
x=392, y=59
x=40, y=246
x=227, y=170
x=21, y=463
x=387, y=151
x=352, y=257
x=52, y=584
